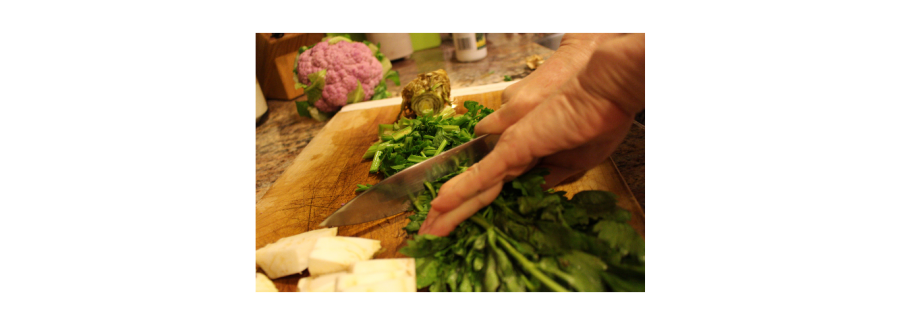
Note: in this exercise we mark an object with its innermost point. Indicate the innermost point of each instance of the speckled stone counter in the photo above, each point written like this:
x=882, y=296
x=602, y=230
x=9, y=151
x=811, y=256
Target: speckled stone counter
x=282, y=134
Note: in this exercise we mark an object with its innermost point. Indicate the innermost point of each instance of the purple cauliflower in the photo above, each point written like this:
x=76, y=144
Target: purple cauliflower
x=351, y=72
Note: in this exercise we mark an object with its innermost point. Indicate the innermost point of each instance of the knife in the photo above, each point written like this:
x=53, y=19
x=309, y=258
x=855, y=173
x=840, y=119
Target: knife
x=392, y=195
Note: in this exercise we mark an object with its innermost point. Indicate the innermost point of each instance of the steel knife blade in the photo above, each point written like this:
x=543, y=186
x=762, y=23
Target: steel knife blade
x=392, y=195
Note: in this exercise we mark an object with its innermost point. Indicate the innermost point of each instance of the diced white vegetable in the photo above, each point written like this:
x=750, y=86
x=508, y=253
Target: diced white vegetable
x=336, y=254
x=303, y=285
x=324, y=283
x=384, y=265
x=403, y=284
x=290, y=255
x=263, y=284
x=351, y=280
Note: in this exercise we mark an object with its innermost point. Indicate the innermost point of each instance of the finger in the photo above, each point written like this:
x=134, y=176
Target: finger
x=566, y=120
x=429, y=219
x=512, y=90
x=557, y=175
x=510, y=177
x=510, y=157
x=443, y=224
x=465, y=186
x=500, y=120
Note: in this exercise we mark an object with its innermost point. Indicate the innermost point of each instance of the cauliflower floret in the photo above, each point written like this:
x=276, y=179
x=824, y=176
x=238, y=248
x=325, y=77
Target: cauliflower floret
x=345, y=63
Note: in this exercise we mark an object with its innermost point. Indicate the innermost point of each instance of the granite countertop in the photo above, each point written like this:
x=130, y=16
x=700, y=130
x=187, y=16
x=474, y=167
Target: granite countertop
x=281, y=134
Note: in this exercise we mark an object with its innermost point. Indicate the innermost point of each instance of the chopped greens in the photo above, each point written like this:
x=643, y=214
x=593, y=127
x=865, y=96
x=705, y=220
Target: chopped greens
x=410, y=141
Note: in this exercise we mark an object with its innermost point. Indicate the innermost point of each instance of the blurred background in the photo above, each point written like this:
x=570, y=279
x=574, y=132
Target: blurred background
x=410, y=54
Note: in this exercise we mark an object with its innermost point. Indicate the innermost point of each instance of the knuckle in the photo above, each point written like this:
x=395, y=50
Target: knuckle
x=487, y=197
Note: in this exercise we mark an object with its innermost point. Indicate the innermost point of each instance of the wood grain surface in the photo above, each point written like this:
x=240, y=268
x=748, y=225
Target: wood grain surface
x=275, y=62
x=325, y=174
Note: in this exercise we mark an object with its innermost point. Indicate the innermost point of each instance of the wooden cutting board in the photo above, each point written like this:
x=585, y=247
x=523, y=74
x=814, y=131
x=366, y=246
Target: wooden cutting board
x=325, y=174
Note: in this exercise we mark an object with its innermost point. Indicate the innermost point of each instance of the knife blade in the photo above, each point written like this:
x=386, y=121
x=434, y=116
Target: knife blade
x=392, y=195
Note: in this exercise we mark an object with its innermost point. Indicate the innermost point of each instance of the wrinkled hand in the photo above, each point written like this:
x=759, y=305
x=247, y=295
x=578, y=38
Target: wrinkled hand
x=573, y=54
x=574, y=128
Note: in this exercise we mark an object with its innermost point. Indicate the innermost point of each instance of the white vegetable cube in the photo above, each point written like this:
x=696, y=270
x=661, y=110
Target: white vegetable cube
x=263, y=284
x=290, y=255
x=336, y=254
x=384, y=265
x=324, y=283
x=403, y=284
x=351, y=280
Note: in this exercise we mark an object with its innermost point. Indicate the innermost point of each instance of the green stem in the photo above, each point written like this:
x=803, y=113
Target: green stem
x=502, y=206
x=440, y=148
x=481, y=222
x=560, y=274
x=531, y=268
x=371, y=151
x=431, y=188
x=376, y=162
x=513, y=242
x=526, y=264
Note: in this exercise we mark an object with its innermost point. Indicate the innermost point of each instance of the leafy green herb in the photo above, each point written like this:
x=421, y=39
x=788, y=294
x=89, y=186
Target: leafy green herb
x=410, y=141
x=525, y=241
x=528, y=239
x=362, y=187
x=507, y=78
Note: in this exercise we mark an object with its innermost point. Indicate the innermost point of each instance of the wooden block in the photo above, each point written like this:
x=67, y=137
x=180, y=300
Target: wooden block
x=275, y=62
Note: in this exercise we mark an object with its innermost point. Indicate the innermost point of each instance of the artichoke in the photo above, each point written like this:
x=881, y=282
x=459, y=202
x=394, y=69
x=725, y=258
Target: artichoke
x=427, y=95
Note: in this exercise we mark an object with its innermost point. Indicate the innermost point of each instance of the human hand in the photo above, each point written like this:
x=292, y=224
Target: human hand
x=572, y=55
x=575, y=128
